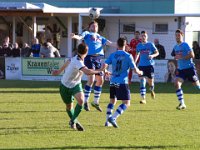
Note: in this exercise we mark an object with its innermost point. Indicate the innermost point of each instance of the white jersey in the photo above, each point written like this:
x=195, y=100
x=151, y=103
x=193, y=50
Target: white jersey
x=73, y=73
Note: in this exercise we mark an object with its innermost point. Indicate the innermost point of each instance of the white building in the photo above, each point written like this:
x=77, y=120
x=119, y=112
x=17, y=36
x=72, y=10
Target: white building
x=118, y=18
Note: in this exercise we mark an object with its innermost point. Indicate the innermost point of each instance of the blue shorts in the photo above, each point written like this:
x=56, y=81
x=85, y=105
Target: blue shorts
x=148, y=71
x=190, y=74
x=120, y=91
x=93, y=62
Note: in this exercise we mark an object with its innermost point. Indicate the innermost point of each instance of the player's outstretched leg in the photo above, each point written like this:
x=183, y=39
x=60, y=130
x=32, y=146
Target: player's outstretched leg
x=97, y=93
x=113, y=122
x=143, y=90
x=87, y=92
x=109, y=111
x=179, y=94
x=153, y=95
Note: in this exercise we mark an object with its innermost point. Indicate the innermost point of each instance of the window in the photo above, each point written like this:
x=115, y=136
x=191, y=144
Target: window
x=127, y=28
x=160, y=28
x=196, y=36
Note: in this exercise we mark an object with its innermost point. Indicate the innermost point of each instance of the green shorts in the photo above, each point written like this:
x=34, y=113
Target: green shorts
x=67, y=94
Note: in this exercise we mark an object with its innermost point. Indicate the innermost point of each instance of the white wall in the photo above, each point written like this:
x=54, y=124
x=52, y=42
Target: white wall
x=191, y=24
x=143, y=23
x=187, y=7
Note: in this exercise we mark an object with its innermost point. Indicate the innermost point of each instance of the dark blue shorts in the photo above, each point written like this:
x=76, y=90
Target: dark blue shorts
x=93, y=62
x=120, y=91
x=190, y=74
x=148, y=71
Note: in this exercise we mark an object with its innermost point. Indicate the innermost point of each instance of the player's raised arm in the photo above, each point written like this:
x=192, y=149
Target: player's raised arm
x=57, y=72
x=77, y=37
x=112, y=44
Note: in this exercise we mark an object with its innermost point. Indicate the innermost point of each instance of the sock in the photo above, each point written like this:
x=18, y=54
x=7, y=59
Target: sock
x=87, y=92
x=119, y=111
x=109, y=110
x=179, y=94
x=198, y=87
x=142, y=88
x=70, y=113
x=77, y=111
x=97, y=93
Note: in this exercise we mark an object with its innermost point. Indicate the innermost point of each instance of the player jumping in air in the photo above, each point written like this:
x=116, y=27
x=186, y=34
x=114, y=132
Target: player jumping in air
x=95, y=44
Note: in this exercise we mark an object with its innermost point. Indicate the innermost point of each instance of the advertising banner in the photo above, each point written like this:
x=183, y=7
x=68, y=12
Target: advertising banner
x=13, y=68
x=41, y=68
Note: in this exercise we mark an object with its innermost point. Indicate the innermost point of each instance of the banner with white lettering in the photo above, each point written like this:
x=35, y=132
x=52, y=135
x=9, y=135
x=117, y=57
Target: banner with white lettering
x=13, y=68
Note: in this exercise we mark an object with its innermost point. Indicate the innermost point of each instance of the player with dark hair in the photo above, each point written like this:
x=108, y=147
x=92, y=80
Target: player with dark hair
x=186, y=68
x=121, y=62
x=146, y=51
x=71, y=85
x=95, y=44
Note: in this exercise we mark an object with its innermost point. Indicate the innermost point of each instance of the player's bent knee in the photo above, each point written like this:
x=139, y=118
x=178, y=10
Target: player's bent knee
x=127, y=103
x=80, y=101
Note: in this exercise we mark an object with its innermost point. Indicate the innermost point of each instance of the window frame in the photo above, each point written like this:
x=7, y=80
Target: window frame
x=123, y=24
x=160, y=32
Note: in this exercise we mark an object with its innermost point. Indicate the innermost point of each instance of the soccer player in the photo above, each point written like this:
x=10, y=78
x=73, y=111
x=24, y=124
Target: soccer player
x=186, y=69
x=134, y=42
x=121, y=62
x=95, y=43
x=146, y=51
x=71, y=85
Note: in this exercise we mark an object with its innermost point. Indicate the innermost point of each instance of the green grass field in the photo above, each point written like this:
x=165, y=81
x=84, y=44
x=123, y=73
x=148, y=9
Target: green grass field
x=32, y=116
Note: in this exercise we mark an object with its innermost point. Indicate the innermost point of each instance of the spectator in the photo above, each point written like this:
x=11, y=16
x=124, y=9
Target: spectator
x=6, y=50
x=7, y=42
x=1, y=74
x=160, y=48
x=26, y=50
x=1, y=51
x=196, y=49
x=16, y=50
x=35, y=48
x=49, y=51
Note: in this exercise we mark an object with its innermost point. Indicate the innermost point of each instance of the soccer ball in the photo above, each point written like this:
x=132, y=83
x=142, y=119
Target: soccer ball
x=94, y=13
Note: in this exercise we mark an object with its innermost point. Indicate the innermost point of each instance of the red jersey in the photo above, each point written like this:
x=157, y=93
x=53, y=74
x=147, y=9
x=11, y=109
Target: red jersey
x=133, y=45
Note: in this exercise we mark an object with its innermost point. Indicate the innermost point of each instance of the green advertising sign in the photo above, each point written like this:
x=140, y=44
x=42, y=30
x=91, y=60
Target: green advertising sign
x=41, y=66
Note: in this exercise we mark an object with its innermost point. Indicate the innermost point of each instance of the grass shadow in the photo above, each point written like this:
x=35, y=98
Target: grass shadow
x=99, y=147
